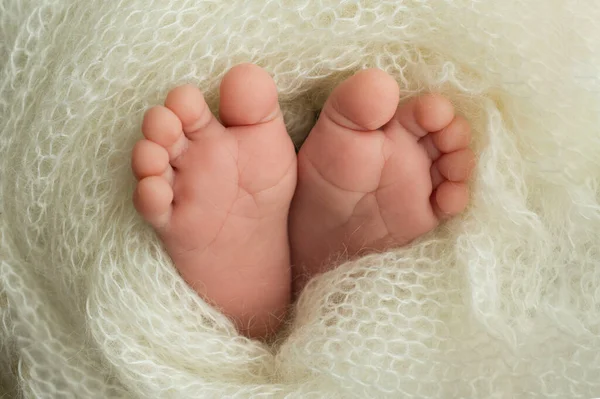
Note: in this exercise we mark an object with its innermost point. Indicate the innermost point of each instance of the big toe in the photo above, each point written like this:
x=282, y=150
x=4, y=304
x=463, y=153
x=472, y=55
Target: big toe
x=248, y=96
x=365, y=102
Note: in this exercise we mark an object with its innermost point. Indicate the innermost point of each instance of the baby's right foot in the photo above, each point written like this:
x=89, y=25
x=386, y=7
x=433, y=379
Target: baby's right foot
x=219, y=196
x=373, y=176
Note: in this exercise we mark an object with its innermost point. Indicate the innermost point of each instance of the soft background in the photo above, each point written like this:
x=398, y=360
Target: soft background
x=503, y=302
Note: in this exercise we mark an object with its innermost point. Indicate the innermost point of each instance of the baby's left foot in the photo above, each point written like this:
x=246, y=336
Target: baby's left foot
x=218, y=195
x=373, y=176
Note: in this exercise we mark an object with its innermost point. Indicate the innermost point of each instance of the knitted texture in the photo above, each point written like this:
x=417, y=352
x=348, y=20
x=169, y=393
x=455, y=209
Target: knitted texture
x=503, y=302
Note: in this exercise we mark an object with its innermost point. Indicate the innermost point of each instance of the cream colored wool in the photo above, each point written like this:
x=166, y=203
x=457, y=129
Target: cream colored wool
x=503, y=302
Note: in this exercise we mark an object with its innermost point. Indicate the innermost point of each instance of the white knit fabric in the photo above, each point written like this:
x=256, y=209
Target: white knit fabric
x=503, y=302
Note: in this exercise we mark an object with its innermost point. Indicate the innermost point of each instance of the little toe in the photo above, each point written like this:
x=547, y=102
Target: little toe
x=450, y=199
x=424, y=114
x=456, y=166
x=455, y=136
x=248, y=96
x=149, y=159
x=163, y=127
x=188, y=104
x=364, y=102
x=152, y=199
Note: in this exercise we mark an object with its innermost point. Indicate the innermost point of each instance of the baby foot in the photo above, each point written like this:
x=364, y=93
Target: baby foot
x=372, y=175
x=218, y=195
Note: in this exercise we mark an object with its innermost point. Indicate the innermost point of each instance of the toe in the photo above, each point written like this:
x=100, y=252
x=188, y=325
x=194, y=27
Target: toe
x=450, y=199
x=149, y=159
x=365, y=102
x=456, y=166
x=455, y=136
x=188, y=104
x=248, y=96
x=152, y=199
x=424, y=114
x=163, y=127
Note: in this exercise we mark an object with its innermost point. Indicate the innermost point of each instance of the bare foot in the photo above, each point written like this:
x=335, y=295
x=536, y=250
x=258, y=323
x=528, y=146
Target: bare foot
x=373, y=176
x=219, y=196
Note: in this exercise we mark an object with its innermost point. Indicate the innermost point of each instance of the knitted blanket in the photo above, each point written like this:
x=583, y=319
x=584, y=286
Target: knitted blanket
x=503, y=302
